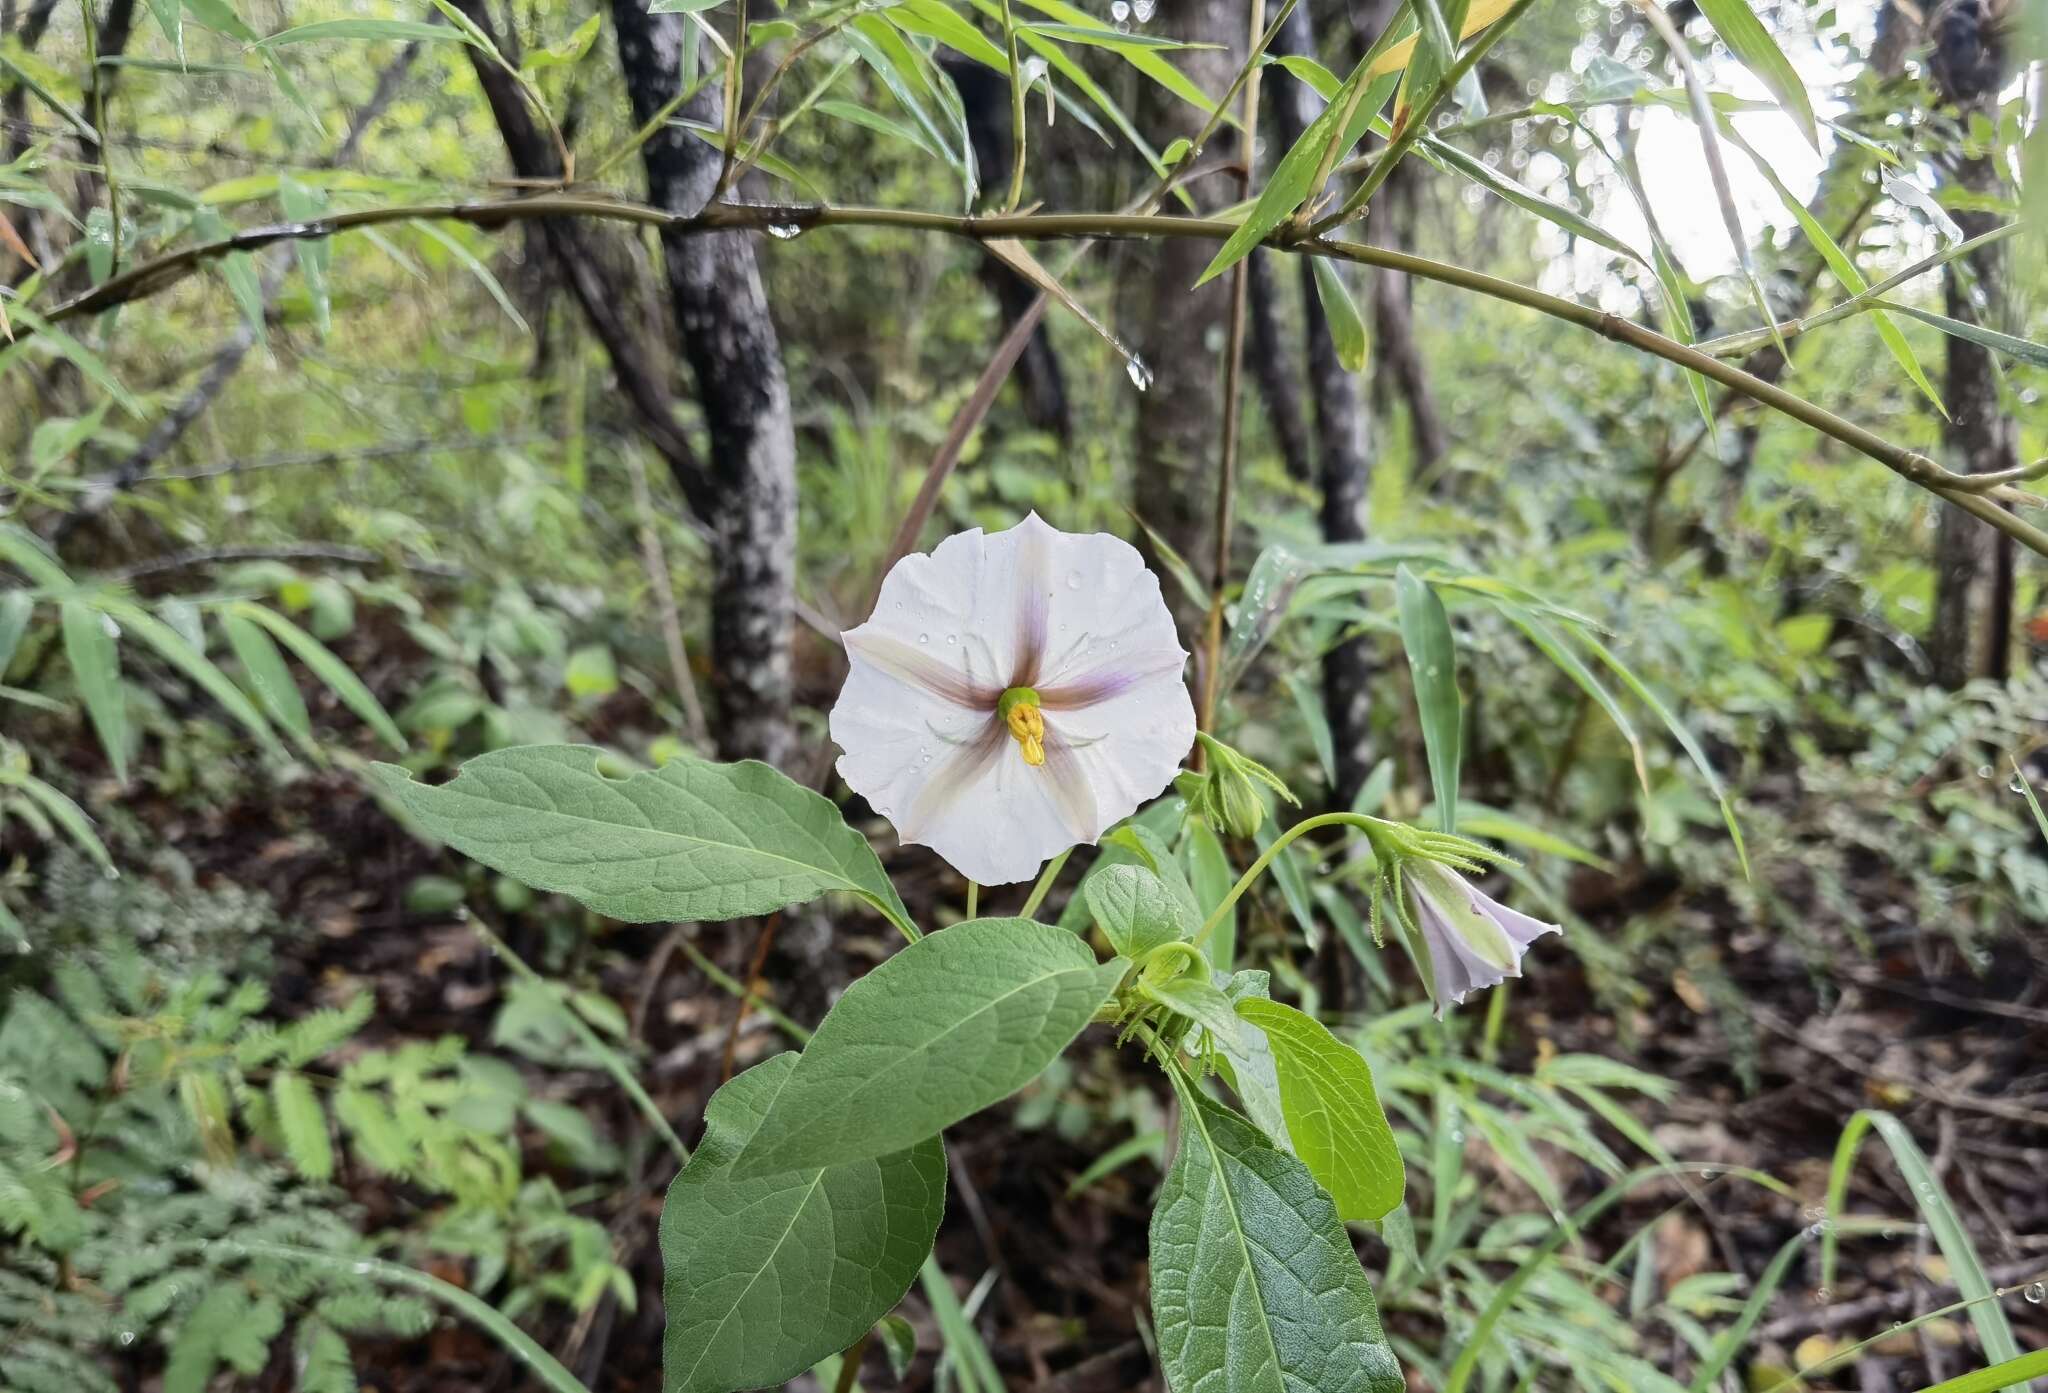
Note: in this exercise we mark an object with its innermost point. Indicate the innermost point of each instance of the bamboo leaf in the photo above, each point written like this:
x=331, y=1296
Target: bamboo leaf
x=264, y=669
x=1340, y=315
x=1756, y=50
x=345, y=685
x=89, y=645
x=2026, y=350
x=181, y=654
x=1433, y=667
x=408, y=30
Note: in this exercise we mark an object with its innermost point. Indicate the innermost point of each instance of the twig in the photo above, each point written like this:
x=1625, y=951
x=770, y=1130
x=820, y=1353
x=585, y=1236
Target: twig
x=2013, y=1276
x=1233, y=406
x=167, y=269
x=284, y=551
x=762, y=941
x=656, y=562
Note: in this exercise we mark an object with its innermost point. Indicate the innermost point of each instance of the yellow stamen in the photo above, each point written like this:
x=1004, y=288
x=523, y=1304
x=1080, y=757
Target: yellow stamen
x=1027, y=727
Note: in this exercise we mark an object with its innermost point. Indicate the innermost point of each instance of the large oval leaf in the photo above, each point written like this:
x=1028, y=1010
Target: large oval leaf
x=763, y=1278
x=689, y=840
x=1255, y=1287
x=951, y=1024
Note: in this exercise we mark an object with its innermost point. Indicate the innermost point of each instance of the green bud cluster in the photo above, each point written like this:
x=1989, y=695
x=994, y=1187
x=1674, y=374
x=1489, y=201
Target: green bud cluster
x=1227, y=795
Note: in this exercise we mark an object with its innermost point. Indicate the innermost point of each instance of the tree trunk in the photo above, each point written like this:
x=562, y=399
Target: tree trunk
x=1973, y=566
x=721, y=312
x=747, y=494
x=1279, y=384
x=1343, y=461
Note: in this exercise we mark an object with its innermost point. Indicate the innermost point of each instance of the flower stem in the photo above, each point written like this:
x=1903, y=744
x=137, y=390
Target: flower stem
x=1045, y=879
x=1258, y=868
x=973, y=898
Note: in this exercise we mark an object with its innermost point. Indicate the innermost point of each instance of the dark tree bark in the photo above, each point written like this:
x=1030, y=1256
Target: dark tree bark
x=1393, y=315
x=721, y=313
x=1343, y=460
x=1279, y=382
x=746, y=494
x=1973, y=580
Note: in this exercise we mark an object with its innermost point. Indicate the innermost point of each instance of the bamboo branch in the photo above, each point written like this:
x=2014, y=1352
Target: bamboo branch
x=163, y=271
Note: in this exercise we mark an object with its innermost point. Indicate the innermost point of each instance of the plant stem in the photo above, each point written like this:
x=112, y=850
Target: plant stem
x=973, y=897
x=1233, y=401
x=1266, y=858
x=724, y=980
x=1046, y=878
x=849, y=1363
x=607, y=1057
x=517, y=1342
x=1016, y=113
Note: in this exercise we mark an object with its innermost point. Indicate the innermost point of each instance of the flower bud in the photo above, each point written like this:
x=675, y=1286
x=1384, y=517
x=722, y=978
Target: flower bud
x=1229, y=794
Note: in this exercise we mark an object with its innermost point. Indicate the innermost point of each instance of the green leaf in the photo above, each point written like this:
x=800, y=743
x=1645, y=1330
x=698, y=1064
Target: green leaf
x=175, y=649
x=1136, y=910
x=879, y=121
x=682, y=7
x=1527, y=199
x=1362, y=95
x=89, y=364
x=15, y=608
x=689, y=840
x=1247, y=1063
x=2006, y=1374
x=264, y=670
x=303, y=1124
x=409, y=30
x=1994, y=1332
x=591, y=672
x=1334, y=1118
x=1200, y=1000
x=566, y=51
x=1210, y=877
x=1108, y=38
x=1255, y=1287
x=68, y=816
x=2026, y=350
x=95, y=660
x=1347, y=330
x=1433, y=665
x=25, y=551
x=1754, y=48
x=764, y=1277
x=345, y=685
x=951, y=1024
x=1074, y=21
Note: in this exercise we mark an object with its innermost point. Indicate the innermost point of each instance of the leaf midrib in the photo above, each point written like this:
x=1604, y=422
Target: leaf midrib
x=874, y=1080
x=767, y=1261
x=1190, y=1107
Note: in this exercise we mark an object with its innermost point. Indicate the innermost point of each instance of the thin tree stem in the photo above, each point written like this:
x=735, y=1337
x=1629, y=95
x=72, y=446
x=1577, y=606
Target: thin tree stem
x=1016, y=113
x=162, y=271
x=1233, y=400
x=973, y=898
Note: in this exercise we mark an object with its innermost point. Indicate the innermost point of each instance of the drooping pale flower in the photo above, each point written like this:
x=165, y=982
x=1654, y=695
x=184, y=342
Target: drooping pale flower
x=1013, y=695
x=1472, y=940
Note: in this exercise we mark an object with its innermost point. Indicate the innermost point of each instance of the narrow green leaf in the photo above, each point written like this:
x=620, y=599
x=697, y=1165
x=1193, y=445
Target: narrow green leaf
x=1071, y=18
x=1333, y=1113
x=332, y=671
x=1255, y=1286
x=89, y=364
x=68, y=816
x=764, y=1277
x=1994, y=1332
x=175, y=649
x=1347, y=329
x=476, y=268
x=2009, y=1374
x=682, y=7
x=1553, y=646
x=690, y=840
x=1756, y=50
x=1527, y=199
x=15, y=608
x=953, y=1023
x=409, y=30
x=1108, y=38
x=2026, y=350
x=1210, y=877
x=881, y=122
x=264, y=669
x=301, y=203
x=25, y=551
x=95, y=660
x=1433, y=666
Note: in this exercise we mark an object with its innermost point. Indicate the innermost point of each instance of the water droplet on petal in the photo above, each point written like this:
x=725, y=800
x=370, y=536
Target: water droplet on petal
x=1073, y=580
x=924, y=638
x=952, y=638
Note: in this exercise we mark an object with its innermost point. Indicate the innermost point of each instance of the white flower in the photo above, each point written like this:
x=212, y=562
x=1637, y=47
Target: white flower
x=1014, y=695
x=1473, y=941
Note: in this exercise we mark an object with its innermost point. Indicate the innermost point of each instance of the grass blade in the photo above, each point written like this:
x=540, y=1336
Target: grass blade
x=1433, y=667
